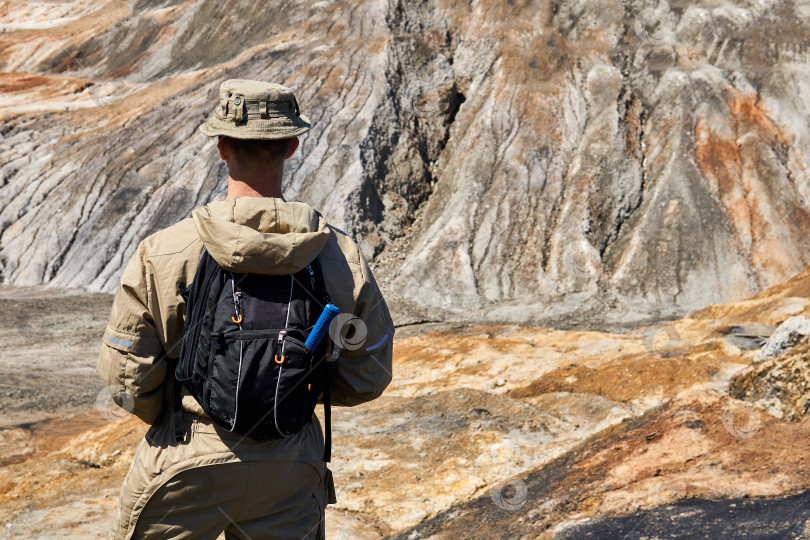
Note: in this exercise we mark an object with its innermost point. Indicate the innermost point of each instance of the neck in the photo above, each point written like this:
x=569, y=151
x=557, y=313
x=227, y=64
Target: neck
x=260, y=184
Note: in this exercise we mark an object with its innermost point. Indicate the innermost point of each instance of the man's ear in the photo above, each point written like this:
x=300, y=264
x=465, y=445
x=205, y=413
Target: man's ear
x=222, y=145
x=293, y=148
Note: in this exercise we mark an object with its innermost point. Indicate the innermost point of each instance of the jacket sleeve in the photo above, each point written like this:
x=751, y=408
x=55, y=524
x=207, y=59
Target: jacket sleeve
x=132, y=362
x=365, y=339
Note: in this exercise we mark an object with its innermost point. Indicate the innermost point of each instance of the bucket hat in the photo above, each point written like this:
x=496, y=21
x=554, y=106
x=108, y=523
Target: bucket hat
x=256, y=110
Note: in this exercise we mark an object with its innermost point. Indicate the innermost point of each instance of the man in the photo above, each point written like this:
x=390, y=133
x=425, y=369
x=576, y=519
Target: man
x=214, y=480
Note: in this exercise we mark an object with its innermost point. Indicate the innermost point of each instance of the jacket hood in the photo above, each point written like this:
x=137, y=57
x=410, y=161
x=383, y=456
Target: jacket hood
x=261, y=235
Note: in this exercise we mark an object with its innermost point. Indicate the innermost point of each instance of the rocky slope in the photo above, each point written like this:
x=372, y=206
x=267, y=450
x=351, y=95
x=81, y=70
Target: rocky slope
x=493, y=431
x=780, y=385
x=524, y=161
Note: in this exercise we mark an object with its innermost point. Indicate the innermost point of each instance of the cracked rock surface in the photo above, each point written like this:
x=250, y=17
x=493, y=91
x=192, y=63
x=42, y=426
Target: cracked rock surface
x=575, y=162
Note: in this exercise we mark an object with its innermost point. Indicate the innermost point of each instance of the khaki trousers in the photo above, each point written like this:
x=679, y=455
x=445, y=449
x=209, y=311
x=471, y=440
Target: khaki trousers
x=217, y=481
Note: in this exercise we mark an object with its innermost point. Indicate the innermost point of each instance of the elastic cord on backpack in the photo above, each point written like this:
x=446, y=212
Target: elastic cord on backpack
x=281, y=364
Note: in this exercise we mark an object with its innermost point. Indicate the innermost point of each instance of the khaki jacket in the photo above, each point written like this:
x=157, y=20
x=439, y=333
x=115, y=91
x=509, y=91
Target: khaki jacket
x=246, y=234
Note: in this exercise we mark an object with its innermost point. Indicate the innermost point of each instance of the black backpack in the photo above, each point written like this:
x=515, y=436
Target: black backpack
x=243, y=356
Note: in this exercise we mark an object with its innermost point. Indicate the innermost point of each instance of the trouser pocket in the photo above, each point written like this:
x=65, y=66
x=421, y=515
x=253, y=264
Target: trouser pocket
x=324, y=495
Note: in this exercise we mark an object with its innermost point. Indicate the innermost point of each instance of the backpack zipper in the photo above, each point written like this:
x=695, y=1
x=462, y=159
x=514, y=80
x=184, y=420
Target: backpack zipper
x=237, y=317
x=200, y=307
x=280, y=347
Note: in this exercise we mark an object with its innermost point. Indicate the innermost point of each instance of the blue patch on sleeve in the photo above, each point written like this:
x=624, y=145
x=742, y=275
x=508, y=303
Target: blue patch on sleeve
x=125, y=343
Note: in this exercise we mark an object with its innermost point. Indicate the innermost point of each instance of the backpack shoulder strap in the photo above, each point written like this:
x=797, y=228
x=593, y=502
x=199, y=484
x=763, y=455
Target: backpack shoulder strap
x=196, y=296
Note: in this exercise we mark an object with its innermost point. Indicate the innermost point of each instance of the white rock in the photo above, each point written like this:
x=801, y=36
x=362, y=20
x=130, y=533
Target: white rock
x=785, y=337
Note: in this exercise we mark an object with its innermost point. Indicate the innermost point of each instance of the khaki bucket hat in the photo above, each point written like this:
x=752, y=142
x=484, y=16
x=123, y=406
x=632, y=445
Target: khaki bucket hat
x=256, y=110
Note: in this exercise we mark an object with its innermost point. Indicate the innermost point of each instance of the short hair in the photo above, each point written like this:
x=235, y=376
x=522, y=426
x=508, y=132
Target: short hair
x=258, y=151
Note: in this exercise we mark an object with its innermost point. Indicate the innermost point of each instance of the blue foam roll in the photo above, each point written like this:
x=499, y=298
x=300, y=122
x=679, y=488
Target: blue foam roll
x=329, y=312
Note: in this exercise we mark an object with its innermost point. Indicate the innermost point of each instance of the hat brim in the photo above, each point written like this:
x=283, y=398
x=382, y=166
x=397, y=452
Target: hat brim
x=258, y=129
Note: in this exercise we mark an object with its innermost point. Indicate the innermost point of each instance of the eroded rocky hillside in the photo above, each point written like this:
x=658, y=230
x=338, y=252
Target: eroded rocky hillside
x=530, y=161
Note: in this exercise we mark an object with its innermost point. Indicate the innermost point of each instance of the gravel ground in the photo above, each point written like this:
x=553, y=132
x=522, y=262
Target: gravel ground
x=49, y=343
